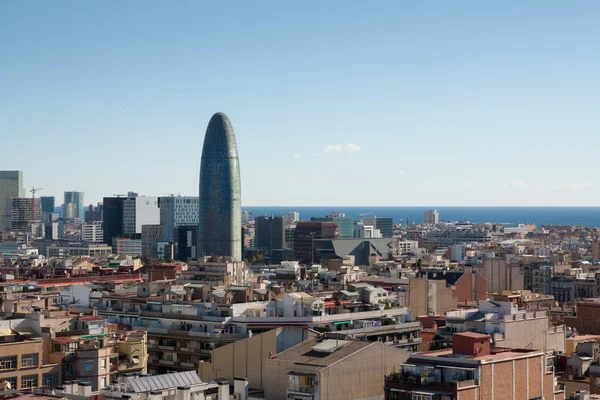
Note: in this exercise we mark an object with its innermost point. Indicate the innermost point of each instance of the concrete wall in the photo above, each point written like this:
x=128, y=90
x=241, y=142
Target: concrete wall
x=500, y=275
x=358, y=376
x=532, y=333
x=245, y=358
x=362, y=375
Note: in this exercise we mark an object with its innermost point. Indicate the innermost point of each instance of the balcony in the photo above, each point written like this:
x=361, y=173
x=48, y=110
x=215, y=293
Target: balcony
x=301, y=388
x=171, y=348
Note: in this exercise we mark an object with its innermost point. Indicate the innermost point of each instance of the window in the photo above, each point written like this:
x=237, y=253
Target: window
x=69, y=368
x=597, y=382
x=421, y=396
x=50, y=379
x=89, y=366
x=29, y=360
x=12, y=381
x=103, y=363
x=103, y=385
x=29, y=381
x=8, y=362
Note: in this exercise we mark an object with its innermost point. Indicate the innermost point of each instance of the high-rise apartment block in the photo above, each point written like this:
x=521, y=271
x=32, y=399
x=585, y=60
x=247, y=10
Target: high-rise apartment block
x=151, y=236
x=220, y=217
x=269, y=233
x=77, y=199
x=91, y=232
x=291, y=217
x=24, y=212
x=125, y=216
x=11, y=187
x=432, y=217
x=48, y=204
x=177, y=211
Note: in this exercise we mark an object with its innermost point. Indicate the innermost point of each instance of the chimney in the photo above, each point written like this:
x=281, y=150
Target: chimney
x=182, y=393
x=240, y=387
x=155, y=395
x=471, y=344
x=223, y=390
x=75, y=387
x=85, y=389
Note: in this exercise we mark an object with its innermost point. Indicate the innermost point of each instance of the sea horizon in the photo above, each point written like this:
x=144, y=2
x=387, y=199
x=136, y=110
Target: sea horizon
x=539, y=215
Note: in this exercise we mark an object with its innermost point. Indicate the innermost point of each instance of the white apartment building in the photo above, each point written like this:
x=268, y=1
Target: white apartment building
x=69, y=210
x=177, y=211
x=139, y=211
x=11, y=187
x=291, y=217
x=362, y=231
x=92, y=232
x=432, y=217
x=247, y=216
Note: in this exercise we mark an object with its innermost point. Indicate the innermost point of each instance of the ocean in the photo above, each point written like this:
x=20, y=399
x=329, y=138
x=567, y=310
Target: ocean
x=587, y=216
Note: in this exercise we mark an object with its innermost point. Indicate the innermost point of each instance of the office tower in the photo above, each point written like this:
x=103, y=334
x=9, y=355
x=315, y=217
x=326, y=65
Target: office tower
x=176, y=211
x=47, y=204
x=124, y=216
x=77, y=199
x=344, y=224
x=25, y=211
x=69, y=210
x=306, y=233
x=186, y=237
x=432, y=217
x=220, y=214
x=11, y=187
x=269, y=233
x=384, y=224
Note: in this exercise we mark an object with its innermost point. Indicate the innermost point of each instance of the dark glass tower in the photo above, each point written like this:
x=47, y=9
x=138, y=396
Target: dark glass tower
x=220, y=218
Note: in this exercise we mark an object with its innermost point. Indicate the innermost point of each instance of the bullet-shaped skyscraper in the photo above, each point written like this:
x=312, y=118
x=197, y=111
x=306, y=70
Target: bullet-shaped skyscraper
x=220, y=214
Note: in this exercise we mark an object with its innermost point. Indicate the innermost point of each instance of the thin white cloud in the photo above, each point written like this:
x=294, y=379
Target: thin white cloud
x=469, y=184
x=516, y=184
x=351, y=147
x=338, y=148
x=296, y=156
x=330, y=148
x=402, y=172
x=573, y=187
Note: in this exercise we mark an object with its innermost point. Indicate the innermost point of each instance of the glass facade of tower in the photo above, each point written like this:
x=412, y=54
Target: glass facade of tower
x=220, y=215
x=77, y=199
x=47, y=204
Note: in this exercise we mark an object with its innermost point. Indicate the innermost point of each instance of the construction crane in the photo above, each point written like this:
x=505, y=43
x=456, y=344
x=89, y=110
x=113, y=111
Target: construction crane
x=33, y=190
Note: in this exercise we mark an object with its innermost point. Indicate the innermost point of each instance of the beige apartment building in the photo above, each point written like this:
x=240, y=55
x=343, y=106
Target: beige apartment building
x=23, y=364
x=330, y=369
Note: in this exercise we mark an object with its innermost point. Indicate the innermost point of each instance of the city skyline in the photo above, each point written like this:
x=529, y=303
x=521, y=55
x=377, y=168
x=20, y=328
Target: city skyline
x=457, y=104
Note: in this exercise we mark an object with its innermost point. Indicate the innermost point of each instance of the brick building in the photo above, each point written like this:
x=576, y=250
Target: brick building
x=474, y=370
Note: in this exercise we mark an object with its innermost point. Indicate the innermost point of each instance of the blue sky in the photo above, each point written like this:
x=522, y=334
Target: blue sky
x=333, y=103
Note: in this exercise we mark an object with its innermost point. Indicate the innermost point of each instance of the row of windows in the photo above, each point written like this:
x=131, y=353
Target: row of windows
x=27, y=361
x=32, y=381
